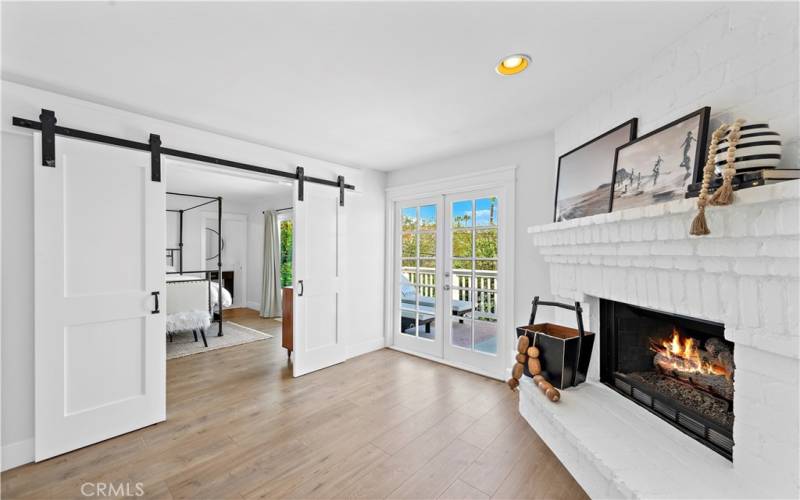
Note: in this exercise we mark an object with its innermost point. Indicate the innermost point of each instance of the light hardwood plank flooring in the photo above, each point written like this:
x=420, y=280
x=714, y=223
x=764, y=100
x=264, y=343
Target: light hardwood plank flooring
x=383, y=425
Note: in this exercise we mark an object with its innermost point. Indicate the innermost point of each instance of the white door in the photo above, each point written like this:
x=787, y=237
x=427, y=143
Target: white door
x=100, y=355
x=418, y=312
x=450, y=294
x=319, y=318
x=474, y=281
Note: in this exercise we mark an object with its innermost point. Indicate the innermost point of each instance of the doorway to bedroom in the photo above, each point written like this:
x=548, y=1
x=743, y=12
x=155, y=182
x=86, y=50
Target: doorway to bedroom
x=223, y=229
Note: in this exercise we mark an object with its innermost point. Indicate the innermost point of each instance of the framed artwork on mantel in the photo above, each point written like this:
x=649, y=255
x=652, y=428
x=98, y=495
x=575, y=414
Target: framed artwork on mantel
x=660, y=165
x=583, y=185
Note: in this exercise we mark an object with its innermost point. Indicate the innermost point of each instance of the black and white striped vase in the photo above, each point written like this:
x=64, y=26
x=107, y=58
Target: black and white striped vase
x=759, y=148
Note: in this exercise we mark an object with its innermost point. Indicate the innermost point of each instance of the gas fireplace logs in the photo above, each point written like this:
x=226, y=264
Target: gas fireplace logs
x=709, y=368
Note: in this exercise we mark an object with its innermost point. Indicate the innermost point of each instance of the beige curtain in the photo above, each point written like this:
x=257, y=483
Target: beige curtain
x=271, y=275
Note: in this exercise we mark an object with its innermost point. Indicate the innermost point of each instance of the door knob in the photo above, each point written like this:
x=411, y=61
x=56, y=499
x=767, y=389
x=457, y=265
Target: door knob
x=447, y=287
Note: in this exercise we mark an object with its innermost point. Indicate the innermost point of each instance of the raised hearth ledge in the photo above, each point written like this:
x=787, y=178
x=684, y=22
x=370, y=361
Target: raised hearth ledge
x=744, y=274
x=623, y=451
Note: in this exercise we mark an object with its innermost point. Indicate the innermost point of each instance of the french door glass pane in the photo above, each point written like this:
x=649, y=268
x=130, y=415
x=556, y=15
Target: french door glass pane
x=462, y=243
x=474, y=274
x=461, y=214
x=427, y=244
x=409, y=245
x=427, y=218
x=418, y=272
x=461, y=332
x=486, y=212
x=485, y=337
x=409, y=216
x=486, y=243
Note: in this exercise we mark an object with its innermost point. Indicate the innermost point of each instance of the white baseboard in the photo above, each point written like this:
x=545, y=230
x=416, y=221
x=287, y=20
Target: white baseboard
x=365, y=347
x=16, y=454
x=454, y=364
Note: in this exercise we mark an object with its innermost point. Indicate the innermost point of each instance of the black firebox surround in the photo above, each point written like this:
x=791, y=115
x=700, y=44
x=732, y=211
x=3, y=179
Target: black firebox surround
x=690, y=422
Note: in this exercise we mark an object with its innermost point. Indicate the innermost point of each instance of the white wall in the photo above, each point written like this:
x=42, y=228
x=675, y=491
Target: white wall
x=534, y=198
x=742, y=61
x=17, y=232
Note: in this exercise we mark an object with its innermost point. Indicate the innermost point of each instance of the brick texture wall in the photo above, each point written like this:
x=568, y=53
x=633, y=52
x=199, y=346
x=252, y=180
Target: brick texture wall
x=742, y=61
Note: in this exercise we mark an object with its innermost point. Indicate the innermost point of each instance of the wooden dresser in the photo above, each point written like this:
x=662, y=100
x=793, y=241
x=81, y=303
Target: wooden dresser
x=288, y=340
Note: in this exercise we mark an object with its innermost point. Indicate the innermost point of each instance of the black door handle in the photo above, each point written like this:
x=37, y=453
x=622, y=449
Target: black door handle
x=300, y=293
x=156, y=310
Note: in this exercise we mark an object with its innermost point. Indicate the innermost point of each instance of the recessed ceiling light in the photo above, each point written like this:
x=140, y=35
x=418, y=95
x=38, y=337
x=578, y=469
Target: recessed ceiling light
x=513, y=64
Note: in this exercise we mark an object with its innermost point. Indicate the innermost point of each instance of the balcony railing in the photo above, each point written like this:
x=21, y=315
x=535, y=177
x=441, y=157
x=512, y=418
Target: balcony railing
x=484, y=288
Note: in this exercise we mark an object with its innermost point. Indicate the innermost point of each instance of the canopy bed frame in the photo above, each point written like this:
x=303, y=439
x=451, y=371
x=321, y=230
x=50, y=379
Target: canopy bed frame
x=207, y=273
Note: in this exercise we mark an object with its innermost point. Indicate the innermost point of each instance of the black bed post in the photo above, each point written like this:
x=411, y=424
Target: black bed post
x=219, y=260
x=180, y=242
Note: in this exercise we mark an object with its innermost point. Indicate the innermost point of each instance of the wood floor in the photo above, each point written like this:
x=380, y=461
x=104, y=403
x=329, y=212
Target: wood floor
x=383, y=425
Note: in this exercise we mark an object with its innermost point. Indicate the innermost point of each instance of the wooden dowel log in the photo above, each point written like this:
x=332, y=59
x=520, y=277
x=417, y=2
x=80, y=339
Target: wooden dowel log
x=513, y=383
x=521, y=358
x=547, y=388
x=517, y=371
x=534, y=366
x=523, y=344
x=533, y=351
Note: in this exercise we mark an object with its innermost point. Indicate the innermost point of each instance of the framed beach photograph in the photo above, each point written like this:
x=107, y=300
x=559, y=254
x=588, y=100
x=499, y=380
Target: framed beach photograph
x=583, y=185
x=660, y=165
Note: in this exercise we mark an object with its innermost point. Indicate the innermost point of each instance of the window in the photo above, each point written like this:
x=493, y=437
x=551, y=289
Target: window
x=285, y=223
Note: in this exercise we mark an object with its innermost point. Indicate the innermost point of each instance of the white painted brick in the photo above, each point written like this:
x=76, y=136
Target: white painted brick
x=785, y=267
x=715, y=265
x=773, y=304
x=751, y=267
x=727, y=248
x=654, y=298
x=673, y=248
x=678, y=228
x=693, y=295
x=792, y=292
x=765, y=222
x=686, y=263
x=677, y=289
x=748, y=302
x=662, y=262
x=637, y=228
x=716, y=223
x=789, y=218
x=729, y=299
x=624, y=232
x=648, y=231
x=710, y=291
x=780, y=247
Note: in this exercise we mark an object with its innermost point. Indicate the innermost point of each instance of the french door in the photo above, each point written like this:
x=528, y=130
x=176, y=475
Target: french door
x=449, y=270
x=99, y=237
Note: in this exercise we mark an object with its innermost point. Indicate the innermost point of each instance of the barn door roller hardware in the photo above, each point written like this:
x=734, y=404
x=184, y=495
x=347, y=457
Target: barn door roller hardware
x=301, y=178
x=49, y=130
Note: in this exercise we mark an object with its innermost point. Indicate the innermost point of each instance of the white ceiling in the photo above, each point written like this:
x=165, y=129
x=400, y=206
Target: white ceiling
x=241, y=188
x=380, y=85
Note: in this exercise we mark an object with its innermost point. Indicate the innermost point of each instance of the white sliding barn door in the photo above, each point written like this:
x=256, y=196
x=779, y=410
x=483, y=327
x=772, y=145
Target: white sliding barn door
x=99, y=254
x=319, y=230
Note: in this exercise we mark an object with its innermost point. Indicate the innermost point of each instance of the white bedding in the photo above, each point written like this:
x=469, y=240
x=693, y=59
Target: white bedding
x=227, y=300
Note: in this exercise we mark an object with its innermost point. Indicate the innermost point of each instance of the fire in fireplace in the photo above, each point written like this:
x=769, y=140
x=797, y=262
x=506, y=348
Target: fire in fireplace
x=679, y=368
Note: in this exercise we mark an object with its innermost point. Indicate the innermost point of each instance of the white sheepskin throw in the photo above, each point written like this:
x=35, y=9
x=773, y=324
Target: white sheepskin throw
x=188, y=320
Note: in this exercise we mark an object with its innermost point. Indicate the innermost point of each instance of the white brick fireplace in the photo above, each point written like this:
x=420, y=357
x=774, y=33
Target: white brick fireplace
x=744, y=275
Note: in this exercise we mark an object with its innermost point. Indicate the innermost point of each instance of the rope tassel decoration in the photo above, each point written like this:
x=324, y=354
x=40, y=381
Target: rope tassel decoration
x=699, y=224
x=724, y=195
